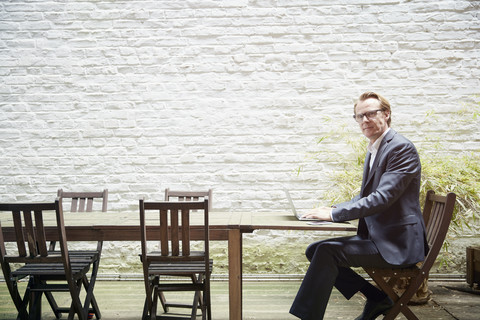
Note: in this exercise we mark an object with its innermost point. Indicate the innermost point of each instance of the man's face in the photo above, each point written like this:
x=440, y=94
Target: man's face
x=375, y=126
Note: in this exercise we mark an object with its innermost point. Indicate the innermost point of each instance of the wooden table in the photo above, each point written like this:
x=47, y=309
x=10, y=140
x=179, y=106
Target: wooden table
x=224, y=226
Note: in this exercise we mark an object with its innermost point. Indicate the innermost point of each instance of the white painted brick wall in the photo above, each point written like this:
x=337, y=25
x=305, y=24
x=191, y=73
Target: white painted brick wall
x=138, y=96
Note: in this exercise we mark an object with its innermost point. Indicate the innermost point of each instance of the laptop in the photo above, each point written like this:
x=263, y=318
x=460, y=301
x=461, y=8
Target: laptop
x=294, y=210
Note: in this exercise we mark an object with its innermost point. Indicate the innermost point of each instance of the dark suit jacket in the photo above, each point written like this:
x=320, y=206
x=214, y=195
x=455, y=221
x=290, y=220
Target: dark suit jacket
x=388, y=206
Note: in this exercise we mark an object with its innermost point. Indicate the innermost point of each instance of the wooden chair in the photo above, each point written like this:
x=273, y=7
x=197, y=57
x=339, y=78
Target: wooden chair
x=182, y=195
x=31, y=258
x=175, y=256
x=437, y=214
x=82, y=202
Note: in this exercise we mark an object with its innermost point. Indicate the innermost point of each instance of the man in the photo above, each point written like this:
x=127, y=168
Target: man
x=391, y=231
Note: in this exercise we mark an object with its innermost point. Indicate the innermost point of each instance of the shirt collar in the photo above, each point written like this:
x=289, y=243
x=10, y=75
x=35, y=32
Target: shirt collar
x=373, y=147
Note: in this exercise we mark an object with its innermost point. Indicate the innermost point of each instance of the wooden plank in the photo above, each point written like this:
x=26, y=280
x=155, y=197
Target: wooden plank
x=163, y=232
x=175, y=229
x=185, y=232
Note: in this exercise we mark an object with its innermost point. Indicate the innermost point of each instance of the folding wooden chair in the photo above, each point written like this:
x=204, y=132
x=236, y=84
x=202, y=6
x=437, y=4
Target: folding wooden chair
x=175, y=256
x=82, y=202
x=31, y=258
x=437, y=214
x=182, y=195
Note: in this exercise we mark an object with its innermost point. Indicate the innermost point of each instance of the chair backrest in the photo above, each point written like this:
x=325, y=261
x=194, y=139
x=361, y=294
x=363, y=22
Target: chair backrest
x=437, y=214
x=175, y=229
x=29, y=228
x=83, y=201
x=189, y=196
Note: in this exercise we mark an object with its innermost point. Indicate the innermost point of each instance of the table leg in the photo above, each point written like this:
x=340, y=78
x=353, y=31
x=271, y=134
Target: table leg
x=235, y=273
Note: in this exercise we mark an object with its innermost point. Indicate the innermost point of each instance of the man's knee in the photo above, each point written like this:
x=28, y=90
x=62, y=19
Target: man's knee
x=322, y=249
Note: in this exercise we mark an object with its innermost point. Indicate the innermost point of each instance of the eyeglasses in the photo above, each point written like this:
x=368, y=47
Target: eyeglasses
x=370, y=115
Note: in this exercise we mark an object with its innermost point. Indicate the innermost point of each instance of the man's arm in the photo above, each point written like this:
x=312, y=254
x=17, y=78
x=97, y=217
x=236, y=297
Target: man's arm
x=401, y=167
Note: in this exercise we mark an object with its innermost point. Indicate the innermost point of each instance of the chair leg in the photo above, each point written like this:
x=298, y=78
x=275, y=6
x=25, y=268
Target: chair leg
x=153, y=311
x=163, y=301
x=198, y=280
x=76, y=306
x=166, y=305
x=53, y=304
x=196, y=301
x=208, y=302
x=93, y=279
x=26, y=301
x=149, y=300
x=90, y=297
x=400, y=303
x=35, y=305
x=20, y=304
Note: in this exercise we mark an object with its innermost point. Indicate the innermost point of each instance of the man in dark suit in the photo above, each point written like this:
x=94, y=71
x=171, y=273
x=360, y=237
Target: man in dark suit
x=391, y=231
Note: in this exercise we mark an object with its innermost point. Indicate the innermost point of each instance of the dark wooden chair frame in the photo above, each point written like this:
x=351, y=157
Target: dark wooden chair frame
x=437, y=214
x=175, y=257
x=41, y=265
x=82, y=202
x=182, y=195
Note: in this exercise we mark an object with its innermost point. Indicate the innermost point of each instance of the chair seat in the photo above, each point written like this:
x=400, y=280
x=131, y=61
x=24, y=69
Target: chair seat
x=180, y=268
x=90, y=255
x=396, y=272
x=51, y=271
x=158, y=256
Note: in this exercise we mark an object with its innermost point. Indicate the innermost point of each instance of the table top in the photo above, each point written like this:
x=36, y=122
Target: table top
x=125, y=226
x=282, y=221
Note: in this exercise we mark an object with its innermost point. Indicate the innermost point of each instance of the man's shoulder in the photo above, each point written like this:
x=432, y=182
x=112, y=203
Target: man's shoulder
x=397, y=143
x=393, y=135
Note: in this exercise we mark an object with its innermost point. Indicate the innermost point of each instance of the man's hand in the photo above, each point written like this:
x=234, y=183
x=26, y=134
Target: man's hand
x=320, y=213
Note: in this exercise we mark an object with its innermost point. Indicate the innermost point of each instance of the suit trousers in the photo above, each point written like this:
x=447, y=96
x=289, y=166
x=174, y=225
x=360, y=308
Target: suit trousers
x=330, y=262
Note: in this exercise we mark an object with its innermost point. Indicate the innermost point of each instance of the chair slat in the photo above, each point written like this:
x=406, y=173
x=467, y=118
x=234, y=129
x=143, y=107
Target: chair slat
x=74, y=205
x=17, y=223
x=40, y=233
x=81, y=205
x=435, y=223
x=174, y=231
x=30, y=233
x=89, y=204
x=164, y=232
x=427, y=208
x=185, y=232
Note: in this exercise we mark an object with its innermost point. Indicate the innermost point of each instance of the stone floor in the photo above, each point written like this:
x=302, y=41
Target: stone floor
x=123, y=300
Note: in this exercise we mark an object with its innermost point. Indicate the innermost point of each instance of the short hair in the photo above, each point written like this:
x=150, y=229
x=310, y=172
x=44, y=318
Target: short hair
x=384, y=104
